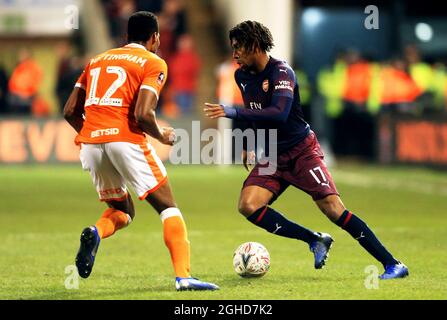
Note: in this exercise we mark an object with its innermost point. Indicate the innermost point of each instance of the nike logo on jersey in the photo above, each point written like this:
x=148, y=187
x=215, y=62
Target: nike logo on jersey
x=283, y=70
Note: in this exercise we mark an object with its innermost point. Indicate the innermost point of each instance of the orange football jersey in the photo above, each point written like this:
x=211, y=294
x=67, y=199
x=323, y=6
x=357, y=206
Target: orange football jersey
x=112, y=81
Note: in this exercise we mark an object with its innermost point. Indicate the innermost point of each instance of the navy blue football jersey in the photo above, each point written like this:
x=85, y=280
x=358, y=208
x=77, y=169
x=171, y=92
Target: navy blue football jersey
x=272, y=101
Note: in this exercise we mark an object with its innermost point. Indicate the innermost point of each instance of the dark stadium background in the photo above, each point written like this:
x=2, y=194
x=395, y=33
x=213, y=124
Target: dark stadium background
x=388, y=155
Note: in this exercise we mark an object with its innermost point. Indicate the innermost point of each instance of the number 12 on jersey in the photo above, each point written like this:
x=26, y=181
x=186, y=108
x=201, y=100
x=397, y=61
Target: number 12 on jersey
x=107, y=99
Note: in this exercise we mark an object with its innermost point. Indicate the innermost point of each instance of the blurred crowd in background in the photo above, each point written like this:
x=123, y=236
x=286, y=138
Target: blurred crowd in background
x=354, y=91
x=177, y=48
x=350, y=93
x=19, y=88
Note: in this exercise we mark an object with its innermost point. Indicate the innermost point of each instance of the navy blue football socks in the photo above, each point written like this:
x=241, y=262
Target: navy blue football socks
x=274, y=222
x=360, y=231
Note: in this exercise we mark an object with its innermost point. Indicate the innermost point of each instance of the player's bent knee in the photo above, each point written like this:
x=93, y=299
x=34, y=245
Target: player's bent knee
x=247, y=208
x=125, y=206
x=332, y=207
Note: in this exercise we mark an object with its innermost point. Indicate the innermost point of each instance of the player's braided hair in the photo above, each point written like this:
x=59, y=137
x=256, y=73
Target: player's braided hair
x=251, y=35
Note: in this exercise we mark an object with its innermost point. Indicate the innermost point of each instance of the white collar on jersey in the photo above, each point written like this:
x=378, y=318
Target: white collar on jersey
x=135, y=45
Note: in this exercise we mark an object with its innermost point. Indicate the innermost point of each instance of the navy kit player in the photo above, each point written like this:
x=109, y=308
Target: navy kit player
x=271, y=97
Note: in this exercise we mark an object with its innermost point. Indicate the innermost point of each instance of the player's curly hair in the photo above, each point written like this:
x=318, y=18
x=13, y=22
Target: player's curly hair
x=251, y=35
x=141, y=26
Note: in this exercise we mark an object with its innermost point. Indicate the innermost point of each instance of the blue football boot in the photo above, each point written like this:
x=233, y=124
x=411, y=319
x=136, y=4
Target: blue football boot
x=182, y=284
x=320, y=249
x=394, y=271
x=87, y=251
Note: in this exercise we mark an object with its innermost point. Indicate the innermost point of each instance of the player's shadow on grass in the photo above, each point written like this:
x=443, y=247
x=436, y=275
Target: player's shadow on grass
x=274, y=279
x=106, y=286
x=105, y=293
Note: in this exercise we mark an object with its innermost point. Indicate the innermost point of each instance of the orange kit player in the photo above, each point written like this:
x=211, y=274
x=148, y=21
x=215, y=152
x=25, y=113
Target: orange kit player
x=111, y=107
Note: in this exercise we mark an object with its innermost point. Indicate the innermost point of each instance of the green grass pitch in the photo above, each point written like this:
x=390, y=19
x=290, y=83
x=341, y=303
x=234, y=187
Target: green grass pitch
x=44, y=208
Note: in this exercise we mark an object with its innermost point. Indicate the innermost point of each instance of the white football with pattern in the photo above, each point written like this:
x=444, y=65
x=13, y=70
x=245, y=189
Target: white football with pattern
x=251, y=259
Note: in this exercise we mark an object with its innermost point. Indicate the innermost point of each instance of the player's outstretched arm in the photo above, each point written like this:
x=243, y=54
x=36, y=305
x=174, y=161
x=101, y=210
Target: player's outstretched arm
x=74, y=109
x=278, y=110
x=145, y=116
x=214, y=111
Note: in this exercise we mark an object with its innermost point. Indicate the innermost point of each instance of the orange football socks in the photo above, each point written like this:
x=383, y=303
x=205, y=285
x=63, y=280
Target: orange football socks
x=111, y=221
x=176, y=239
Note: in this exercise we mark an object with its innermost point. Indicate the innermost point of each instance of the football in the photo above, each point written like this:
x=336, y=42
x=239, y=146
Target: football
x=251, y=259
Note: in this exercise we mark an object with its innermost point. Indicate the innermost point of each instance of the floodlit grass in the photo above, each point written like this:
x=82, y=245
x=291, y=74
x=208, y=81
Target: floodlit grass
x=44, y=208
